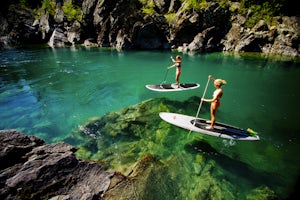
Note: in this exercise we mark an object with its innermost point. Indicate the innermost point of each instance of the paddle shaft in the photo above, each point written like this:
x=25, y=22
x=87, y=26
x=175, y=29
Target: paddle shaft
x=200, y=105
x=165, y=76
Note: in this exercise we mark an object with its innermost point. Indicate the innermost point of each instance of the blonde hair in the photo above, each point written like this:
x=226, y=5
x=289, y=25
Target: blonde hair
x=220, y=82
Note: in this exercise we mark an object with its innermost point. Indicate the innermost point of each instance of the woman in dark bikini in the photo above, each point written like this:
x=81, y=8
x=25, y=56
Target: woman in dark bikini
x=215, y=101
x=177, y=64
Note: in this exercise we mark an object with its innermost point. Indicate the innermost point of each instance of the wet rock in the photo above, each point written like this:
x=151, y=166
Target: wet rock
x=73, y=33
x=15, y=146
x=58, y=38
x=31, y=169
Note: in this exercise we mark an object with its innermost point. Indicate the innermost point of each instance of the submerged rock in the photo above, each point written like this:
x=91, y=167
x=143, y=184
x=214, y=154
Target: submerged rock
x=157, y=158
x=262, y=192
x=149, y=180
x=136, y=156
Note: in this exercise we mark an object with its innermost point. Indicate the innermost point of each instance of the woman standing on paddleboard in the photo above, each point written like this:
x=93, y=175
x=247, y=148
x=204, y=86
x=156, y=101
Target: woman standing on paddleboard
x=177, y=64
x=215, y=101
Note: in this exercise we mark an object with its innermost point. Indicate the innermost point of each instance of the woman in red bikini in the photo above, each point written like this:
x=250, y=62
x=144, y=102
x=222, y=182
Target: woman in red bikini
x=177, y=64
x=215, y=101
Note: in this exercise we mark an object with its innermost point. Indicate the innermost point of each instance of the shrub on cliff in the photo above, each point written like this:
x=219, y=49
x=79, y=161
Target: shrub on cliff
x=72, y=12
x=48, y=6
x=148, y=7
x=257, y=10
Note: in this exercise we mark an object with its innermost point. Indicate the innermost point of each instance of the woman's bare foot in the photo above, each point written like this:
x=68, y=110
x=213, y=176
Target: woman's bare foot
x=209, y=127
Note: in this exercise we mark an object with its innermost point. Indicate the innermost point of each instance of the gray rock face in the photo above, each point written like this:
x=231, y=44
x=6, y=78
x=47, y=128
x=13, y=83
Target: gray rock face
x=122, y=24
x=282, y=39
x=14, y=147
x=31, y=169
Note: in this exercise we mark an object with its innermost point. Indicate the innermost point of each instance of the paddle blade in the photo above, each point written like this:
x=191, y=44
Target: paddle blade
x=251, y=132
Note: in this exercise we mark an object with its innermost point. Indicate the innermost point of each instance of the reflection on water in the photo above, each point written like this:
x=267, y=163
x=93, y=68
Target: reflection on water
x=50, y=93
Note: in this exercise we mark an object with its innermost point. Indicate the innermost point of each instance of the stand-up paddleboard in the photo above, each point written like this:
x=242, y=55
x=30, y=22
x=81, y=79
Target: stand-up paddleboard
x=199, y=124
x=173, y=87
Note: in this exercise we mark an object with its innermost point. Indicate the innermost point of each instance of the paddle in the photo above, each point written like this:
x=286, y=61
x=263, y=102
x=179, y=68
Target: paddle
x=200, y=105
x=165, y=76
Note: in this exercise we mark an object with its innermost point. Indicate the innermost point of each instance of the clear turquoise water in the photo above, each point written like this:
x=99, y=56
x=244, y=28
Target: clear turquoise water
x=49, y=93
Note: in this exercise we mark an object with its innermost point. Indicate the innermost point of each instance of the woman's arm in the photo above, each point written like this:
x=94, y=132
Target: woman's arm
x=207, y=100
x=172, y=59
x=213, y=99
x=172, y=66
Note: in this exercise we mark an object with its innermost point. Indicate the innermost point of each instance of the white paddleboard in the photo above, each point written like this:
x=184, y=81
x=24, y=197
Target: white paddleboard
x=220, y=130
x=173, y=87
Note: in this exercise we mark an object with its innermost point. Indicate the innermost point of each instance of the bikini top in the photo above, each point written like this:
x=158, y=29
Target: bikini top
x=216, y=93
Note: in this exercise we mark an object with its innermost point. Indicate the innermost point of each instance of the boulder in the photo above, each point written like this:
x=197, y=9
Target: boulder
x=31, y=169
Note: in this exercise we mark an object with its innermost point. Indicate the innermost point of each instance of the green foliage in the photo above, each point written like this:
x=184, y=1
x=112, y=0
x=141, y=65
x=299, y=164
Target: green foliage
x=23, y=2
x=148, y=7
x=195, y=4
x=148, y=11
x=49, y=6
x=72, y=12
x=83, y=153
x=170, y=17
x=260, y=10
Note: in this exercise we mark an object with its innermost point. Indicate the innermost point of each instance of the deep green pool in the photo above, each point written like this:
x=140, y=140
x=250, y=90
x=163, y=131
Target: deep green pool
x=50, y=92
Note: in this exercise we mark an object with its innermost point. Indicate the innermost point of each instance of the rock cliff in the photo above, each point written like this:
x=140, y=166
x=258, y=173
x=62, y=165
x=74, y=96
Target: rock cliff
x=124, y=24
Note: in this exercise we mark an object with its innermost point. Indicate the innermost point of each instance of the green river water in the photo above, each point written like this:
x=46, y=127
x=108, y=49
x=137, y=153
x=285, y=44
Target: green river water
x=51, y=92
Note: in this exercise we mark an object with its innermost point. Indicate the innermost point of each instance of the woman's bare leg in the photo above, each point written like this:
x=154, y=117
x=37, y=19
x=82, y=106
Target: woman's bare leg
x=213, y=110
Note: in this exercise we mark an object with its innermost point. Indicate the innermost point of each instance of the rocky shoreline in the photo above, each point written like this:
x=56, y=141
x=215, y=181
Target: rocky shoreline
x=31, y=169
x=122, y=25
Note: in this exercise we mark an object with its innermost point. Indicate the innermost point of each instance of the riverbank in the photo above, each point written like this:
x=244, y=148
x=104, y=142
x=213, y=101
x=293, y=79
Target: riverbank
x=171, y=25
